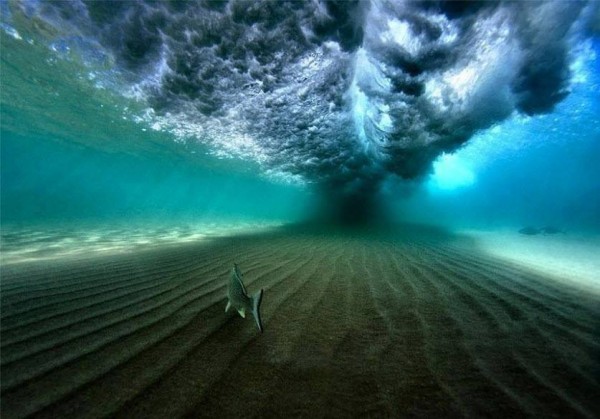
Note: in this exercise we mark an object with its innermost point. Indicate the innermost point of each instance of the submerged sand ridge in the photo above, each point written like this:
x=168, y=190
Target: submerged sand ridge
x=415, y=322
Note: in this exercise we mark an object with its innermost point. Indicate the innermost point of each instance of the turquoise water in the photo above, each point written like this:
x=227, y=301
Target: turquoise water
x=155, y=117
x=72, y=156
x=414, y=185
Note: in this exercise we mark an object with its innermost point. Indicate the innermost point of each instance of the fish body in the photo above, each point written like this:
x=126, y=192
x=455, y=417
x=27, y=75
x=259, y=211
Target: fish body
x=238, y=298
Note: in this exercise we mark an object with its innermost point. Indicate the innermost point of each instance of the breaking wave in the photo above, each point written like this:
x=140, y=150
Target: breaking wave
x=335, y=92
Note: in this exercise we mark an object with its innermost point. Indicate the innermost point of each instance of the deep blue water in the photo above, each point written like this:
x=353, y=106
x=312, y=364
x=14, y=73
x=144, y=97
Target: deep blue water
x=167, y=113
x=525, y=171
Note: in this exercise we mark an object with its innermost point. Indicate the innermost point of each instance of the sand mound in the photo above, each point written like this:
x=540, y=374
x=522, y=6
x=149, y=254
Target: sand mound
x=416, y=323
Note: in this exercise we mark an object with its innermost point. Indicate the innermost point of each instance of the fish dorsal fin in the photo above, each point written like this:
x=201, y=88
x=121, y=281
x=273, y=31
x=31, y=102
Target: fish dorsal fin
x=237, y=276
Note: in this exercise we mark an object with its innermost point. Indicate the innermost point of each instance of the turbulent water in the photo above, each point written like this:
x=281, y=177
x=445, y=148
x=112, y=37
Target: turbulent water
x=470, y=113
x=414, y=185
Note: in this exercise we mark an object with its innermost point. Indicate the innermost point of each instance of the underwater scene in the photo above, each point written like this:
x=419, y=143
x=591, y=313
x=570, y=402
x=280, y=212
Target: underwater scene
x=319, y=208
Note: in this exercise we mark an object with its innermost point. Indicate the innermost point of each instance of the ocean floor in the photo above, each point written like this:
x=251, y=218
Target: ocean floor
x=33, y=244
x=416, y=322
x=571, y=258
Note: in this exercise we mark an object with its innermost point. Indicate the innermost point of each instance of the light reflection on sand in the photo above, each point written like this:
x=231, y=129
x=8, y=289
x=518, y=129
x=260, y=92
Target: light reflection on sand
x=34, y=244
x=571, y=258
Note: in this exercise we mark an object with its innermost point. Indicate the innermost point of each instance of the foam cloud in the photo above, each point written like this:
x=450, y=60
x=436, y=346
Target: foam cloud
x=449, y=69
x=336, y=92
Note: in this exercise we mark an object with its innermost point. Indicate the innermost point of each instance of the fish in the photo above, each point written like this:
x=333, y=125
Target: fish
x=238, y=298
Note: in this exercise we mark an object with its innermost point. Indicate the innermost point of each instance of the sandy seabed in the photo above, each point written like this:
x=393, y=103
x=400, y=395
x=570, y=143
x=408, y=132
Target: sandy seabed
x=413, y=323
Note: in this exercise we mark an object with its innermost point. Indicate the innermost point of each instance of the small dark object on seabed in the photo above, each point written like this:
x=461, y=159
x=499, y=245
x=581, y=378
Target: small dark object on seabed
x=530, y=231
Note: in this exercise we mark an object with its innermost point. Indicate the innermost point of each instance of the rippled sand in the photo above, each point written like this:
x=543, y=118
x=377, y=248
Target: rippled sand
x=414, y=323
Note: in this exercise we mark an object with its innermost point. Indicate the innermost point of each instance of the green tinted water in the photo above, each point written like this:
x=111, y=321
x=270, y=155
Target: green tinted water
x=73, y=158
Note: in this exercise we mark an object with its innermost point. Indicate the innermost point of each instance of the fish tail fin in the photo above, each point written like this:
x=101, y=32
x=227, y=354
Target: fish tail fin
x=256, y=300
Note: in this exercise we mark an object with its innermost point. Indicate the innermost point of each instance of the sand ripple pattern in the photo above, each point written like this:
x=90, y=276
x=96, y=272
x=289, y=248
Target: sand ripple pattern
x=415, y=323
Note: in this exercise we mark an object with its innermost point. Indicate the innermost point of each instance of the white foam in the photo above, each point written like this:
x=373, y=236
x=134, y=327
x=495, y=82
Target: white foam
x=9, y=30
x=400, y=33
x=282, y=99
